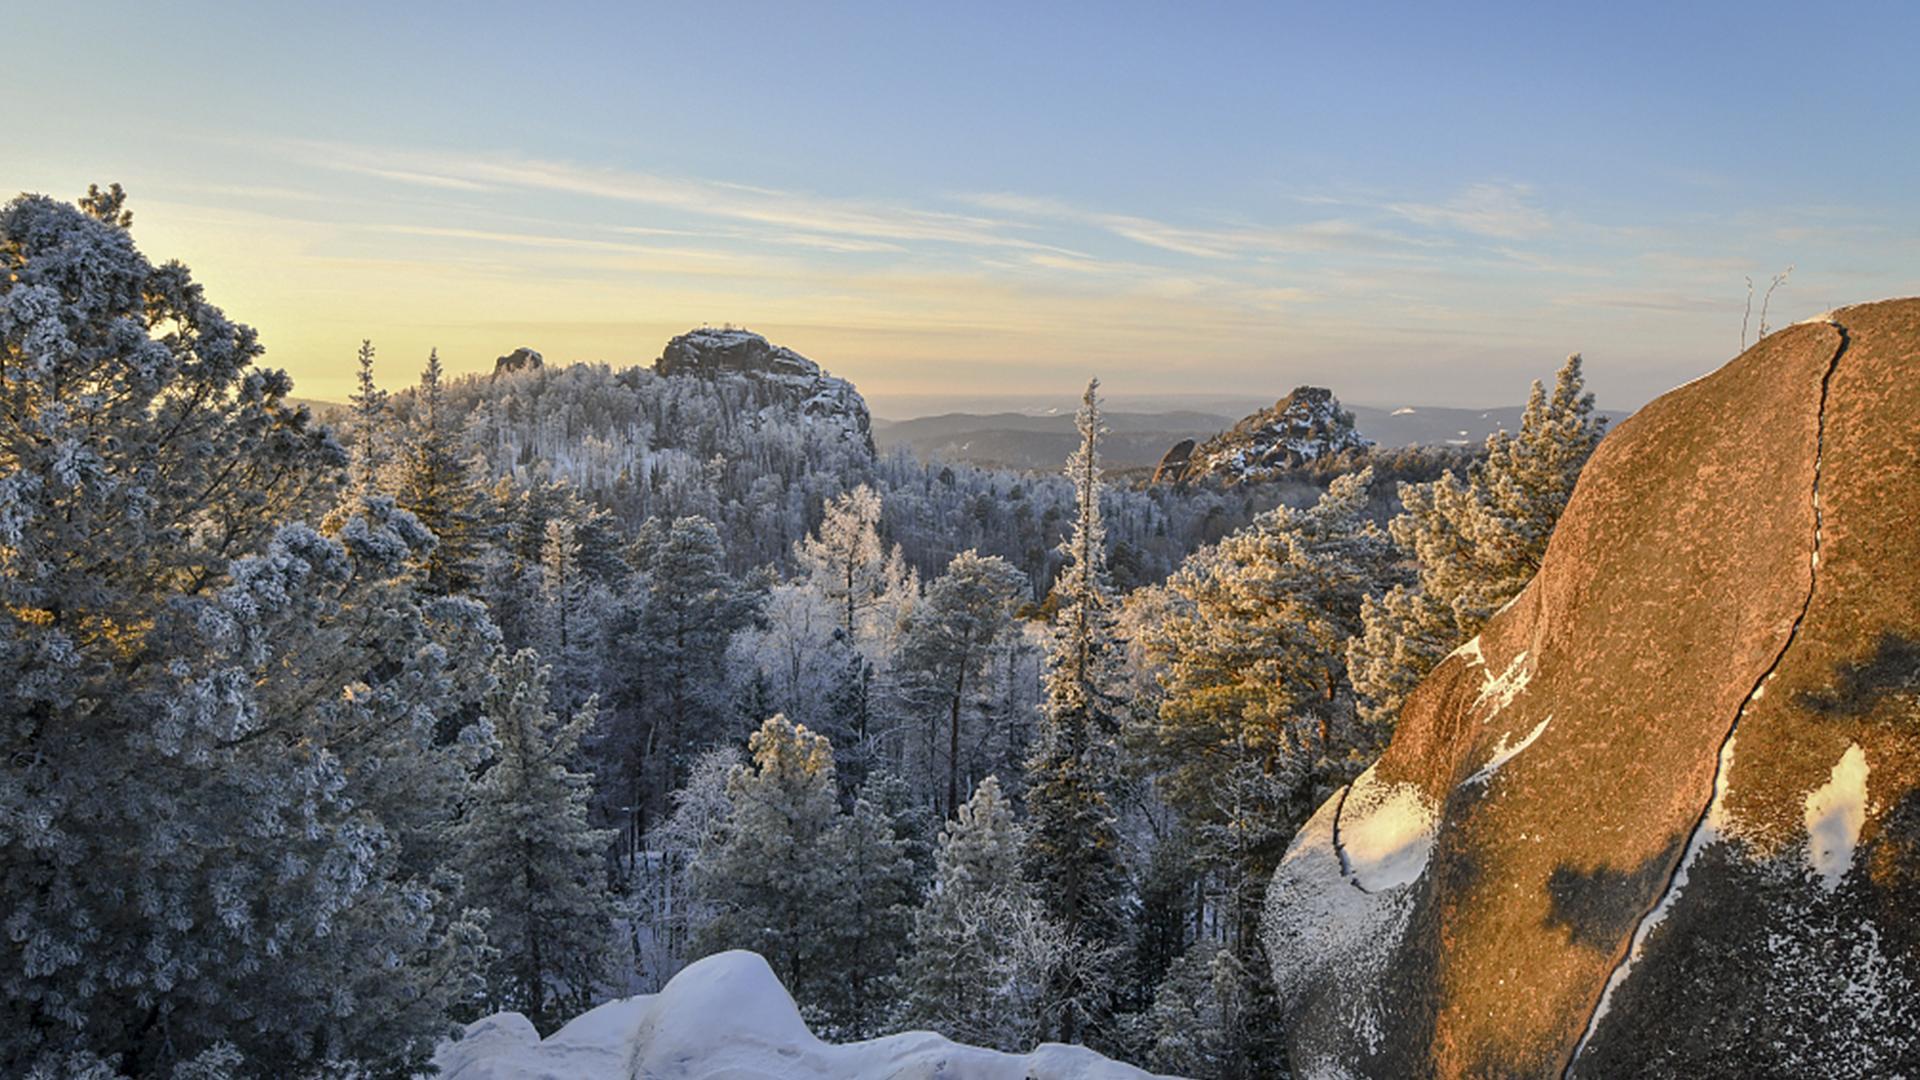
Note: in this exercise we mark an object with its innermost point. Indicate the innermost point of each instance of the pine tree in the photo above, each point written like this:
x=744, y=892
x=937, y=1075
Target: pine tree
x=1256, y=721
x=984, y=958
x=774, y=883
x=1477, y=543
x=436, y=486
x=367, y=407
x=949, y=642
x=1073, y=846
x=529, y=857
x=670, y=631
x=232, y=741
x=878, y=891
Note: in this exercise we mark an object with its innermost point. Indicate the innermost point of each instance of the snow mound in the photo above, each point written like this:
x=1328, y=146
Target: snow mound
x=727, y=1016
x=1836, y=810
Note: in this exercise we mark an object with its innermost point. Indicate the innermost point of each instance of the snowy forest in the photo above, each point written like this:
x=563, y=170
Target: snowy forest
x=325, y=734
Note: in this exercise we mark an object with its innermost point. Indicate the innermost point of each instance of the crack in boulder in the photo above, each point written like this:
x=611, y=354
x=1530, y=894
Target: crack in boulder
x=1703, y=831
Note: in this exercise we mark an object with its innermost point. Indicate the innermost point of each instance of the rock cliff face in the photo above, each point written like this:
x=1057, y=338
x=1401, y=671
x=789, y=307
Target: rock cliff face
x=1660, y=818
x=780, y=377
x=521, y=359
x=1302, y=427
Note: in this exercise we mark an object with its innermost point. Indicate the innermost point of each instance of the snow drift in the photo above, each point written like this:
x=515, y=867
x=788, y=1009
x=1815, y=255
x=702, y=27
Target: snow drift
x=728, y=1016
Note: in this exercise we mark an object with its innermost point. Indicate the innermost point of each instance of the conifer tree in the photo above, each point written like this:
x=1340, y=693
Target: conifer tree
x=368, y=407
x=878, y=892
x=1073, y=846
x=1477, y=543
x=773, y=885
x=436, y=486
x=1256, y=721
x=530, y=858
x=223, y=781
x=948, y=644
x=984, y=957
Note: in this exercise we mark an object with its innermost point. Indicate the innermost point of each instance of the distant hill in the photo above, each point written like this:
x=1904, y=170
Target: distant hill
x=1137, y=440
x=1022, y=441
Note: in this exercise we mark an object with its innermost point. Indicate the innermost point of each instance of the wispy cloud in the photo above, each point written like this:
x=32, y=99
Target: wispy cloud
x=1216, y=241
x=1499, y=210
x=802, y=215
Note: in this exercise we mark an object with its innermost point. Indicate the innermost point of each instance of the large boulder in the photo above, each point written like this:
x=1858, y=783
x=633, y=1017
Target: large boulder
x=1659, y=818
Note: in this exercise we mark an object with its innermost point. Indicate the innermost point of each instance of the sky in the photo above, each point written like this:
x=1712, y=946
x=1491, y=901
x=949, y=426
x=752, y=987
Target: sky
x=963, y=204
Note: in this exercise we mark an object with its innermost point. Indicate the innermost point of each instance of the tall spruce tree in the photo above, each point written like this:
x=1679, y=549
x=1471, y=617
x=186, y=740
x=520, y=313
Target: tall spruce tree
x=436, y=485
x=367, y=406
x=223, y=779
x=529, y=857
x=1477, y=542
x=1072, y=844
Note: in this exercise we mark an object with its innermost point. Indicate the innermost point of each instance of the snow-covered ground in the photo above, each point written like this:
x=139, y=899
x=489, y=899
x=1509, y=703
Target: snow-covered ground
x=727, y=1018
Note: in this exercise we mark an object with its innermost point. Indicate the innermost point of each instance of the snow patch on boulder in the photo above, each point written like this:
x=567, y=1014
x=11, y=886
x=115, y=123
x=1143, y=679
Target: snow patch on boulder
x=1386, y=833
x=728, y=1016
x=1836, y=810
x=1503, y=753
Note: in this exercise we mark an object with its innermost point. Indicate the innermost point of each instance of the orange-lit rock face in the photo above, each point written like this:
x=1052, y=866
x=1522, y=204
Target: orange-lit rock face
x=1675, y=776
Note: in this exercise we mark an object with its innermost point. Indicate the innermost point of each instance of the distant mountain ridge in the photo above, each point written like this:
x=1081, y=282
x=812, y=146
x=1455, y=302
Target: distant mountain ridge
x=1139, y=439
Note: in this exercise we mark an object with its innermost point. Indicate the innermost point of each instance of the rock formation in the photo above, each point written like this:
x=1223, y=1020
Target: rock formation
x=779, y=377
x=1173, y=467
x=521, y=359
x=1302, y=427
x=1659, y=818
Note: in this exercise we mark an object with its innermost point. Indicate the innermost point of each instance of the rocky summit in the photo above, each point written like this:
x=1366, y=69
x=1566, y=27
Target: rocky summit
x=781, y=378
x=1660, y=818
x=517, y=361
x=1303, y=427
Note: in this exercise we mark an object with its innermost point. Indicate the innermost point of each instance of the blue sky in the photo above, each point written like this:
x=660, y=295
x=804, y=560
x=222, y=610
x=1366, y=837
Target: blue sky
x=1428, y=203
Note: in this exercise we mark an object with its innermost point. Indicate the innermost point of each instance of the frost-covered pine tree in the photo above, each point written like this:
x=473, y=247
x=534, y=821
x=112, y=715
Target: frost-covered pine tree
x=878, y=893
x=1477, y=542
x=947, y=646
x=529, y=857
x=232, y=742
x=435, y=484
x=1072, y=843
x=773, y=884
x=669, y=632
x=367, y=406
x=1256, y=716
x=984, y=959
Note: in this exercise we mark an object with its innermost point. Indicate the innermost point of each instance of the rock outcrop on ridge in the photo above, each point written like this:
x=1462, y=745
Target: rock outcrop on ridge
x=781, y=378
x=1660, y=818
x=520, y=359
x=1301, y=428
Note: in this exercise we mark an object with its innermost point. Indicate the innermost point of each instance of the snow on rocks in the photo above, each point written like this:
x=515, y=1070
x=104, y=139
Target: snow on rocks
x=1501, y=689
x=728, y=1016
x=1503, y=752
x=1385, y=833
x=1836, y=811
